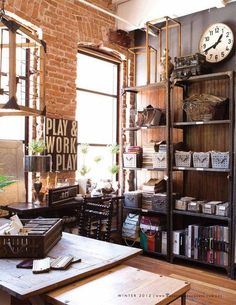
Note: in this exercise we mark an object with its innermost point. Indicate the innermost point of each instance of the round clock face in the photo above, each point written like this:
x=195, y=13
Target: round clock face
x=216, y=42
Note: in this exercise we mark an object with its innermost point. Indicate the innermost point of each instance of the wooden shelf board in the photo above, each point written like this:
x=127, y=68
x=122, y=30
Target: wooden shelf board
x=144, y=210
x=143, y=127
x=136, y=89
x=198, y=261
x=196, y=123
x=204, y=77
x=201, y=169
x=202, y=215
x=145, y=168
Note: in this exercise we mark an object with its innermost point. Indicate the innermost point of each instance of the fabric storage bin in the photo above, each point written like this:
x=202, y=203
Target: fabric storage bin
x=220, y=159
x=201, y=159
x=195, y=206
x=159, y=202
x=159, y=160
x=222, y=209
x=147, y=201
x=132, y=160
x=133, y=199
x=183, y=158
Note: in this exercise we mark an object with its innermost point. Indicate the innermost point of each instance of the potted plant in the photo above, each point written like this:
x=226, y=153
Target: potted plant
x=37, y=163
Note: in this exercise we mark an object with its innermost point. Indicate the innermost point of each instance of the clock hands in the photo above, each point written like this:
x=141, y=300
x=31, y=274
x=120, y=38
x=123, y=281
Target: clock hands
x=215, y=44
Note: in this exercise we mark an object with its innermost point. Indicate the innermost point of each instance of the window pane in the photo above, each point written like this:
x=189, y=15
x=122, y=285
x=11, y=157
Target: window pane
x=12, y=128
x=96, y=74
x=96, y=117
x=98, y=170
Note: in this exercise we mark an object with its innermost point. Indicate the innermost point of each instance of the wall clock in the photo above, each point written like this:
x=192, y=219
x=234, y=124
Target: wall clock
x=216, y=42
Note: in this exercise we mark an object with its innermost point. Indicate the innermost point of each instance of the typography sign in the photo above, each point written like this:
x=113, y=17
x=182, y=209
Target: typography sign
x=61, y=141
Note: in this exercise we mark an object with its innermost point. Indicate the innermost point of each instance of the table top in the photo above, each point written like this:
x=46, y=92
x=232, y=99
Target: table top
x=118, y=286
x=28, y=207
x=96, y=256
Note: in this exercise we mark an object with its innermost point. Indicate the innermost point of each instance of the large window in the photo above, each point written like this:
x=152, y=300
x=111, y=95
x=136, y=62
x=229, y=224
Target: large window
x=97, y=104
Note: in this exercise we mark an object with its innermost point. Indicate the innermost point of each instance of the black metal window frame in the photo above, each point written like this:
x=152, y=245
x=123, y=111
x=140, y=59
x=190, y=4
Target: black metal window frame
x=116, y=96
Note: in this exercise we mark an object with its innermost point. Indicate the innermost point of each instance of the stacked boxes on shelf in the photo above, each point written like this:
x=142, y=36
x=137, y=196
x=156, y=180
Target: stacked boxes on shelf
x=218, y=208
x=132, y=158
x=214, y=159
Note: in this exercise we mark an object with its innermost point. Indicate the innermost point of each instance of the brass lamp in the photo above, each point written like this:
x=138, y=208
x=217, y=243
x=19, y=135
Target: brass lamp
x=38, y=164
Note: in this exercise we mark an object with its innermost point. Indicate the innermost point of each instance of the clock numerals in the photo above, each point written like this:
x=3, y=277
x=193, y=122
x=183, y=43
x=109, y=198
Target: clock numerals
x=216, y=42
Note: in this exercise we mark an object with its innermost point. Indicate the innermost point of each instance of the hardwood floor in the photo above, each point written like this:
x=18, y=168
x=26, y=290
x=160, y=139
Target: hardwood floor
x=207, y=287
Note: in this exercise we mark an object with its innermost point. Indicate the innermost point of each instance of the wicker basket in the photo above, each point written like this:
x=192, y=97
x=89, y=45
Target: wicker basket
x=220, y=159
x=159, y=160
x=183, y=158
x=205, y=107
x=201, y=159
x=32, y=246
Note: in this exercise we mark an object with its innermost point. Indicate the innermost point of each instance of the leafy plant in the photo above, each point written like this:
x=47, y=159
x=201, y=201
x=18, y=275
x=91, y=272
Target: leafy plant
x=84, y=170
x=114, y=169
x=84, y=148
x=37, y=146
x=5, y=181
x=114, y=148
x=97, y=159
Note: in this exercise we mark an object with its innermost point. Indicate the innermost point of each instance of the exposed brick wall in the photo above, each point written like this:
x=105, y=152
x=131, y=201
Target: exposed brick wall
x=64, y=24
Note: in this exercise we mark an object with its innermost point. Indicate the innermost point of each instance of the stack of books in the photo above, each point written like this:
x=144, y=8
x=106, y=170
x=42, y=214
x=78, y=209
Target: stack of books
x=208, y=244
x=148, y=151
x=154, y=186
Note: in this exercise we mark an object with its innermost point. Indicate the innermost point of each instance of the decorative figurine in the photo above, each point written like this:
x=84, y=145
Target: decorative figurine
x=163, y=66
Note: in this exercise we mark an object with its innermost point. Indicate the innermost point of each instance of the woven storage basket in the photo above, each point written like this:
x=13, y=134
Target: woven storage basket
x=205, y=107
x=32, y=246
x=159, y=160
x=201, y=159
x=183, y=158
x=220, y=159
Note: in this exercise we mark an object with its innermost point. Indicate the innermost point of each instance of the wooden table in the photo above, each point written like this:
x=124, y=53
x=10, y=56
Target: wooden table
x=96, y=256
x=68, y=208
x=121, y=285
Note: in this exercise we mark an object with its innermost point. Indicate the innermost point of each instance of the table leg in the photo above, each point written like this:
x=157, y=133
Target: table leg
x=5, y=298
x=37, y=300
x=183, y=299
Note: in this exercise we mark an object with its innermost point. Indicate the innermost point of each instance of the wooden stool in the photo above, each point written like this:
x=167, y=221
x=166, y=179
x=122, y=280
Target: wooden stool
x=121, y=285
